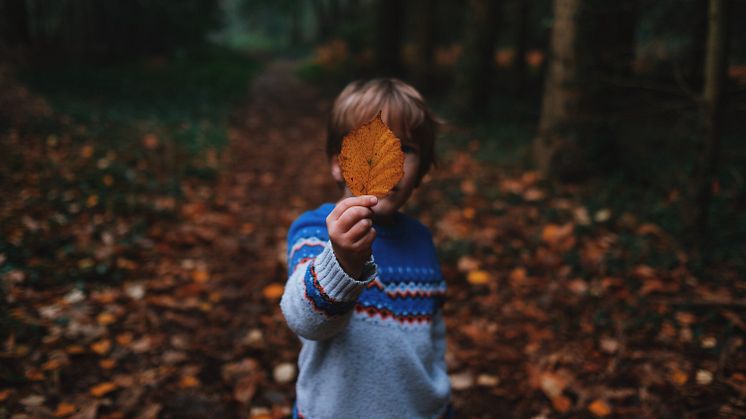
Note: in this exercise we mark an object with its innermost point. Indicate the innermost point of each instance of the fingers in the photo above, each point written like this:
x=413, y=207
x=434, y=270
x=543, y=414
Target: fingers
x=365, y=242
x=352, y=216
x=343, y=205
x=359, y=230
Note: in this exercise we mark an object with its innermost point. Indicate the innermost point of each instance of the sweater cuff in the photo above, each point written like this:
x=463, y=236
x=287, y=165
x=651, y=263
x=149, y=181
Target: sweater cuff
x=334, y=280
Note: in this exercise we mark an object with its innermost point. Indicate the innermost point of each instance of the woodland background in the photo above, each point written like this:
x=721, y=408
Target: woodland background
x=588, y=205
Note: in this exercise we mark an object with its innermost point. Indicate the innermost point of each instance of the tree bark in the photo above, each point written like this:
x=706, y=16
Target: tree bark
x=15, y=24
x=592, y=45
x=521, y=46
x=425, y=41
x=562, y=93
x=390, y=36
x=477, y=63
x=715, y=65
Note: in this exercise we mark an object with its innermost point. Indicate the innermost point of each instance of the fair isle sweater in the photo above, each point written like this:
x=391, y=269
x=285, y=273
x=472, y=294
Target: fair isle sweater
x=374, y=347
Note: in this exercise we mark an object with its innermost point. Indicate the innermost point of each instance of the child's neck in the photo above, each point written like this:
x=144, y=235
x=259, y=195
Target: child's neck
x=386, y=220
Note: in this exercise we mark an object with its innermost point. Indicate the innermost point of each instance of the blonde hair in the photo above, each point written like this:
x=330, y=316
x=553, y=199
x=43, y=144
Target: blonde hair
x=402, y=108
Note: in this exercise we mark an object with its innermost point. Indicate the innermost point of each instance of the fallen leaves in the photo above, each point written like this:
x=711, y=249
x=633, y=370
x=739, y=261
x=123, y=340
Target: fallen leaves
x=102, y=389
x=371, y=159
x=599, y=408
x=478, y=277
x=273, y=291
x=65, y=409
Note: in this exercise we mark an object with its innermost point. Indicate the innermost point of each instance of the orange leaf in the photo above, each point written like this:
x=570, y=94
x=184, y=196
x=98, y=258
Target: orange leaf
x=188, y=381
x=600, y=408
x=101, y=347
x=518, y=275
x=4, y=394
x=52, y=364
x=124, y=339
x=273, y=291
x=371, y=159
x=561, y=403
x=553, y=233
x=200, y=276
x=100, y=389
x=679, y=377
x=107, y=364
x=105, y=318
x=75, y=349
x=65, y=409
x=478, y=277
x=34, y=375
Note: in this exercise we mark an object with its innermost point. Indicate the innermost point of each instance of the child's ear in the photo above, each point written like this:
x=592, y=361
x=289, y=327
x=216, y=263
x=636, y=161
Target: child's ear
x=336, y=170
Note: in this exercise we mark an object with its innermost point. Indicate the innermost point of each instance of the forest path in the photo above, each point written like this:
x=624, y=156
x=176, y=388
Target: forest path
x=273, y=168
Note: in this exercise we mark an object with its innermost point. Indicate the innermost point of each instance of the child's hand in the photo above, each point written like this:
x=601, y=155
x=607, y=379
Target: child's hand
x=350, y=226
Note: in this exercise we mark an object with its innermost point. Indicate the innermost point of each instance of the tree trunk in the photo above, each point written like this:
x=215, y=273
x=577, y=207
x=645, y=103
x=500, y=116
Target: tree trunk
x=15, y=23
x=295, y=23
x=425, y=41
x=592, y=45
x=521, y=46
x=390, y=36
x=712, y=98
x=477, y=63
x=323, y=19
x=562, y=93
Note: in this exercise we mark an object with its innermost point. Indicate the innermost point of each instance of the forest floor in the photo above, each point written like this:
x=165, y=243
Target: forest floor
x=554, y=309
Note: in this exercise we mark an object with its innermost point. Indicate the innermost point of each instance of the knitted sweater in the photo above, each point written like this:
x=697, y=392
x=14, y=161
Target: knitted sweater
x=374, y=347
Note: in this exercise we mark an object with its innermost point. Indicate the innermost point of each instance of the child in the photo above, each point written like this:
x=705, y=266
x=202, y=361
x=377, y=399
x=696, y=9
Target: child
x=365, y=292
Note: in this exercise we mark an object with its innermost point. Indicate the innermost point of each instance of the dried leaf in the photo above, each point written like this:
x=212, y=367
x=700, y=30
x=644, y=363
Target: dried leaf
x=553, y=233
x=561, y=403
x=107, y=364
x=487, y=380
x=65, y=409
x=371, y=159
x=273, y=291
x=599, y=408
x=284, y=373
x=188, y=381
x=200, y=276
x=679, y=377
x=244, y=389
x=33, y=400
x=100, y=389
x=478, y=277
x=105, y=318
x=101, y=347
x=52, y=364
x=552, y=384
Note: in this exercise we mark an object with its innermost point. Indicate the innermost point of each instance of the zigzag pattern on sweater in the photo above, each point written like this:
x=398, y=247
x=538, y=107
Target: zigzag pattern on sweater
x=318, y=298
x=302, y=250
x=410, y=306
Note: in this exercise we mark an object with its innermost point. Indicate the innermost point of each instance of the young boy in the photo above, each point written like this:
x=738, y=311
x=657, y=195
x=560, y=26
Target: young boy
x=365, y=291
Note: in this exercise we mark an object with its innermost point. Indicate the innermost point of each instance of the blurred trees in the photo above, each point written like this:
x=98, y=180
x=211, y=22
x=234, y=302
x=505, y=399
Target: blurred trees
x=105, y=28
x=592, y=48
x=475, y=72
x=715, y=65
x=390, y=36
x=575, y=75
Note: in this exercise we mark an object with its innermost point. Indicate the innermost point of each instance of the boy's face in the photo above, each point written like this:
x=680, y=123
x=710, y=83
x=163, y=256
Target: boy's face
x=388, y=205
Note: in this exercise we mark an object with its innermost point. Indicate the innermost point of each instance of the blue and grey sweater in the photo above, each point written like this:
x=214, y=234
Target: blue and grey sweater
x=373, y=348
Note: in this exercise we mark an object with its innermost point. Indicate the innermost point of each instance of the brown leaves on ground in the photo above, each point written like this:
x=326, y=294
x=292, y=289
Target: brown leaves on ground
x=555, y=307
x=371, y=159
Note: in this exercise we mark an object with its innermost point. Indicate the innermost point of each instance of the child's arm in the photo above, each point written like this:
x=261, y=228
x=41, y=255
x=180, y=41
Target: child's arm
x=323, y=285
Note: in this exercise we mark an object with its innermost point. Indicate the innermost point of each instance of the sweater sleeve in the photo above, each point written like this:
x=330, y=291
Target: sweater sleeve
x=319, y=296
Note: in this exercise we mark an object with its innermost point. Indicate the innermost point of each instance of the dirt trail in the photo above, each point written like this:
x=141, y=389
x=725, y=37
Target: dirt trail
x=273, y=169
